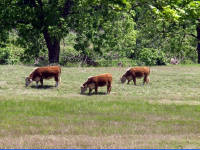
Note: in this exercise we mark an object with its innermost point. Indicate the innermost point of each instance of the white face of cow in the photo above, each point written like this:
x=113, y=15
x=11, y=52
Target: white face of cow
x=27, y=81
x=123, y=79
x=83, y=89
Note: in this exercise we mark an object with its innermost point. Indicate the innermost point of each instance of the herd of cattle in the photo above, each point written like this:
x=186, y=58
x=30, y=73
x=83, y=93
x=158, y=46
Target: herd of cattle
x=93, y=82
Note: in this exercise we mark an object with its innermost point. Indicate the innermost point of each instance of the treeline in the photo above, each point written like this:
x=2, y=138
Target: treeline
x=99, y=33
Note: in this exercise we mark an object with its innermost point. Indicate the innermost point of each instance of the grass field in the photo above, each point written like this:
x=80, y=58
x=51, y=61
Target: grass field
x=163, y=114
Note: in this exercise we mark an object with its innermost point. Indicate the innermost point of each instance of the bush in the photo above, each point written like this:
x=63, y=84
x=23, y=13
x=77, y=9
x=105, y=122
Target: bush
x=121, y=62
x=187, y=61
x=10, y=55
x=68, y=56
x=4, y=55
x=150, y=56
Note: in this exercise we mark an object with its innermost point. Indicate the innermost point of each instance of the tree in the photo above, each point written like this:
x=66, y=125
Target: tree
x=107, y=36
x=51, y=18
x=183, y=12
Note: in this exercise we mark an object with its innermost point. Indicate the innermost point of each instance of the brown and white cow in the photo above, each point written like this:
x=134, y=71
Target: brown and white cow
x=136, y=72
x=41, y=73
x=97, y=81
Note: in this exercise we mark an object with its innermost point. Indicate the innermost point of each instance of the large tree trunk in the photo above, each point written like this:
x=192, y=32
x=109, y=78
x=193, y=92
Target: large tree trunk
x=198, y=40
x=53, y=45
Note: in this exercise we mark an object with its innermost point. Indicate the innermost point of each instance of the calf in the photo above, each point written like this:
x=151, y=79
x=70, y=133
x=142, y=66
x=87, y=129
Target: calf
x=136, y=72
x=41, y=73
x=97, y=81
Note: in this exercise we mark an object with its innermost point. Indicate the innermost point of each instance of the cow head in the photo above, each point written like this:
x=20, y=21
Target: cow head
x=123, y=79
x=28, y=80
x=83, y=88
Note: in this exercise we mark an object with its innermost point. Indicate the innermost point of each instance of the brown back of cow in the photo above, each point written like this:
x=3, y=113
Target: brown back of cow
x=136, y=72
x=41, y=73
x=97, y=81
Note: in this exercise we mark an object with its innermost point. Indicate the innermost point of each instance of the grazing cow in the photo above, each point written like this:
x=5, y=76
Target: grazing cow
x=136, y=72
x=96, y=81
x=41, y=73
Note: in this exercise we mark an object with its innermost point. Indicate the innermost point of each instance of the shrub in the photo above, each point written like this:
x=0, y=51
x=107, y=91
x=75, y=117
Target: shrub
x=150, y=56
x=121, y=62
x=10, y=54
x=68, y=56
x=4, y=55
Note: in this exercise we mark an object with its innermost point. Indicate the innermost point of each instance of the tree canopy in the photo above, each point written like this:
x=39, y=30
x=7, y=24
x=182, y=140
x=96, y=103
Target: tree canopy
x=148, y=31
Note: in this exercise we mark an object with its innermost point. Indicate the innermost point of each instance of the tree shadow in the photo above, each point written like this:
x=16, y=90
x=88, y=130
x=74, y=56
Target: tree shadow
x=93, y=93
x=42, y=87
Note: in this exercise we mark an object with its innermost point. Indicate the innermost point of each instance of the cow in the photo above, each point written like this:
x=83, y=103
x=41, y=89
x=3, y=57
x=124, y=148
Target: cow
x=136, y=72
x=41, y=73
x=97, y=81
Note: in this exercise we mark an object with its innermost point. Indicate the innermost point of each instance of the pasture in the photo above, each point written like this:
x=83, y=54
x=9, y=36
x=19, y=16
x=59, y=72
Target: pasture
x=163, y=114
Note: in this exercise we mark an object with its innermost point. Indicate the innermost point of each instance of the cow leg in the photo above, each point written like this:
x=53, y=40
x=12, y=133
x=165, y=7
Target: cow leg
x=41, y=82
x=57, y=80
x=37, y=84
x=145, y=80
x=128, y=81
x=96, y=89
x=109, y=88
x=148, y=79
x=90, y=90
x=134, y=80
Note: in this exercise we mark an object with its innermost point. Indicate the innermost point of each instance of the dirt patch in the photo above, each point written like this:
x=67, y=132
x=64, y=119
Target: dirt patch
x=114, y=141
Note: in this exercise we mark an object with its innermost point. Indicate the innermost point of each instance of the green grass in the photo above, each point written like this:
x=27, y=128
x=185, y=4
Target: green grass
x=163, y=114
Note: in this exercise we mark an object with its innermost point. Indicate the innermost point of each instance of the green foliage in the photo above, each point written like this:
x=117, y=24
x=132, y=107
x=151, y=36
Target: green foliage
x=33, y=47
x=4, y=35
x=150, y=56
x=148, y=31
x=121, y=62
x=113, y=34
x=54, y=19
x=69, y=56
x=10, y=54
x=120, y=36
x=4, y=55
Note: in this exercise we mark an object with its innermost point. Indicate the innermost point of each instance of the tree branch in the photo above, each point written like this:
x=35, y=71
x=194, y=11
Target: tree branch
x=68, y=5
x=192, y=35
x=41, y=14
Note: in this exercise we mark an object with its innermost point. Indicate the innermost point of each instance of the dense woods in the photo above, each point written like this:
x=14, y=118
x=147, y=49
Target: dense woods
x=99, y=32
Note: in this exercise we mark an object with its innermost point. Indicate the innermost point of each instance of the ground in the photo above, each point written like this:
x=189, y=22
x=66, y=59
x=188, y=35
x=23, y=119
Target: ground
x=163, y=114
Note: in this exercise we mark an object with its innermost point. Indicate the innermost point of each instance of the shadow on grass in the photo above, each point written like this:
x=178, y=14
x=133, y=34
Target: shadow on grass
x=138, y=84
x=93, y=93
x=131, y=84
x=42, y=87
